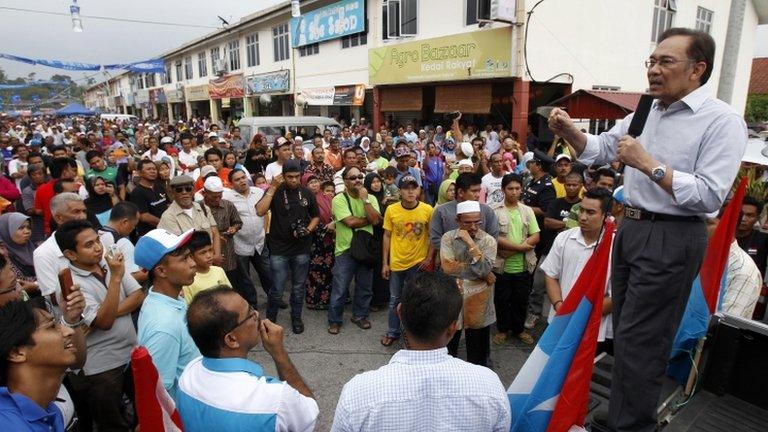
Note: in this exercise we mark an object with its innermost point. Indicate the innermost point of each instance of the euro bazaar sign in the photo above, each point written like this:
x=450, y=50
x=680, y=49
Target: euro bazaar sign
x=474, y=55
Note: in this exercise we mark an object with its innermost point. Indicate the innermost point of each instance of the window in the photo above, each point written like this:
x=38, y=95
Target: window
x=252, y=50
x=234, y=54
x=188, y=67
x=139, y=81
x=150, y=79
x=167, y=78
x=478, y=9
x=400, y=18
x=308, y=50
x=215, y=54
x=354, y=40
x=178, y=70
x=282, y=45
x=663, y=12
x=202, y=64
x=704, y=19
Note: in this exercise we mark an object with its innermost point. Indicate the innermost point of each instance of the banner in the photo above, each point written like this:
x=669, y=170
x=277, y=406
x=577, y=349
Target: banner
x=147, y=66
x=196, y=93
x=329, y=22
x=142, y=96
x=340, y=95
x=475, y=55
x=32, y=84
x=270, y=82
x=157, y=96
x=228, y=86
x=174, y=96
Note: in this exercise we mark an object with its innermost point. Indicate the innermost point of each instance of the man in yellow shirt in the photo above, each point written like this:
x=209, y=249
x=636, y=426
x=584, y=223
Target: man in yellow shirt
x=406, y=247
x=208, y=275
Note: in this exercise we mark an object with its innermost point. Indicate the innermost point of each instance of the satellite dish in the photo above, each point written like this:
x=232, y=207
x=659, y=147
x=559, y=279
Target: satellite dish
x=300, y=100
x=265, y=99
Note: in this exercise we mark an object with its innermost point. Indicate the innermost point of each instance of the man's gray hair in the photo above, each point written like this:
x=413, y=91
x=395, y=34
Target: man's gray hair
x=60, y=201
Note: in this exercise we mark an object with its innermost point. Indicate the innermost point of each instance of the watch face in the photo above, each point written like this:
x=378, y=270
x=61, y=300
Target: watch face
x=658, y=174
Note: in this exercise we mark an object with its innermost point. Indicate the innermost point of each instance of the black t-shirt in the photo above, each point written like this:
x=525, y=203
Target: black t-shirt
x=558, y=209
x=756, y=245
x=540, y=193
x=285, y=219
x=152, y=201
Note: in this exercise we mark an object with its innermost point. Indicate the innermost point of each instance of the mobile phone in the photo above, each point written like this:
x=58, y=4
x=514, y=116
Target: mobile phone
x=112, y=252
x=65, y=281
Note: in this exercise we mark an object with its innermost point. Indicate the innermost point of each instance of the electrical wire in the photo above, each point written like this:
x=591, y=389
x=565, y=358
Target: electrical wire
x=105, y=18
x=525, y=49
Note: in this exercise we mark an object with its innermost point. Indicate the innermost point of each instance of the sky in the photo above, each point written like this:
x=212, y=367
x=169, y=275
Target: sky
x=103, y=42
x=51, y=37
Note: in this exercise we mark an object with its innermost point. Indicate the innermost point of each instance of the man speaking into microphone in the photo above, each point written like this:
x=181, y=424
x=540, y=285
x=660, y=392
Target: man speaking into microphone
x=678, y=169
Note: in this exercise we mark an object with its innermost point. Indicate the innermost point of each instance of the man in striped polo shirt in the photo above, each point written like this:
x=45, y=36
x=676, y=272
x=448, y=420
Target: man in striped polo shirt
x=223, y=390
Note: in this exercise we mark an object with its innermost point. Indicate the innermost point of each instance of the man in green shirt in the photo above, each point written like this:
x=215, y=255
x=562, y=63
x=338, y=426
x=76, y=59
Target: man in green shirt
x=99, y=167
x=352, y=210
x=515, y=261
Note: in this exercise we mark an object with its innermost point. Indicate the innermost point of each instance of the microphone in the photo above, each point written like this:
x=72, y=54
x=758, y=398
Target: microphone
x=637, y=124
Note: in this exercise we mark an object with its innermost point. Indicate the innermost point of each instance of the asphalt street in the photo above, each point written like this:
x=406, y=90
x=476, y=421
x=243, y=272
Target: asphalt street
x=327, y=362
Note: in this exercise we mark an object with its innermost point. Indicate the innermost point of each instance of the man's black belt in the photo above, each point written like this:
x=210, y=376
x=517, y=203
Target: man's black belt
x=640, y=214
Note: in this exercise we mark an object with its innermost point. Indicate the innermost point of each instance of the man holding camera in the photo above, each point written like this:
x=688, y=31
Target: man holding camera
x=294, y=218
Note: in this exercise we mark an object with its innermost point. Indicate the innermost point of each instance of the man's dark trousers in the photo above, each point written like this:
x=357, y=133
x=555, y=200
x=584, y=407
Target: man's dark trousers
x=654, y=265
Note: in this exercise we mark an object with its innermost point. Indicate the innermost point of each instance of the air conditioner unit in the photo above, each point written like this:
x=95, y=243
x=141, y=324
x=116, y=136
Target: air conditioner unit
x=179, y=86
x=219, y=66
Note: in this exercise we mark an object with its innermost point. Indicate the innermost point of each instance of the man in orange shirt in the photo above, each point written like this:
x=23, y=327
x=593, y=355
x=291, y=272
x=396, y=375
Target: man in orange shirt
x=214, y=157
x=333, y=155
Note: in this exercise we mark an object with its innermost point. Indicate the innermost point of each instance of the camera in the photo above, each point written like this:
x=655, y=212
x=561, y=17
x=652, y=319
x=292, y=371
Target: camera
x=300, y=228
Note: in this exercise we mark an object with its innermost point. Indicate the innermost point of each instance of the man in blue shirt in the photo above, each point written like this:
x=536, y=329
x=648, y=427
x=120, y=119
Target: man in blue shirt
x=35, y=351
x=403, y=156
x=162, y=321
x=223, y=390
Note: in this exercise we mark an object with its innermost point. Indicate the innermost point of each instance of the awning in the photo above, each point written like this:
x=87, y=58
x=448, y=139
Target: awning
x=401, y=99
x=467, y=98
x=598, y=104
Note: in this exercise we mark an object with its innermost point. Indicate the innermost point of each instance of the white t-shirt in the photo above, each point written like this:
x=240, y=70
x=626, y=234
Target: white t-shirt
x=492, y=186
x=188, y=158
x=273, y=169
x=13, y=167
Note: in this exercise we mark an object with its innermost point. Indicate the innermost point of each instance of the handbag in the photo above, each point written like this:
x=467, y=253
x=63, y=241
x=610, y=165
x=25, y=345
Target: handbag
x=364, y=248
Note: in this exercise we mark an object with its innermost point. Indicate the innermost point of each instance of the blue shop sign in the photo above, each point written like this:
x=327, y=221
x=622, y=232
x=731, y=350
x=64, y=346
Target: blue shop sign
x=271, y=82
x=330, y=22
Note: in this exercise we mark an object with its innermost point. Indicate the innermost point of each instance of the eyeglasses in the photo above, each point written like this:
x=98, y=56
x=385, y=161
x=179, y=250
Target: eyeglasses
x=180, y=189
x=252, y=314
x=665, y=63
x=357, y=177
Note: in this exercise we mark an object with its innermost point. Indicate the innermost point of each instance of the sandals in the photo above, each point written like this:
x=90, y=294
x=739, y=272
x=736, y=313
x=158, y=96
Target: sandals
x=387, y=341
x=334, y=329
x=363, y=323
x=499, y=339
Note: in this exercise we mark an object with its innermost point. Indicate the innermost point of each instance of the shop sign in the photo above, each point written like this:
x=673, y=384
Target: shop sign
x=196, y=93
x=329, y=22
x=174, y=96
x=142, y=96
x=472, y=55
x=270, y=82
x=130, y=99
x=228, y=86
x=157, y=96
x=339, y=95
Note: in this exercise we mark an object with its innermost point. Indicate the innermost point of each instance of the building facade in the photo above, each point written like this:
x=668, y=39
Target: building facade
x=417, y=60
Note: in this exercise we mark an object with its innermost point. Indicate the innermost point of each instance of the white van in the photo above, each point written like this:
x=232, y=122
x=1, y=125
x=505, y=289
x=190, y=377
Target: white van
x=273, y=127
x=119, y=117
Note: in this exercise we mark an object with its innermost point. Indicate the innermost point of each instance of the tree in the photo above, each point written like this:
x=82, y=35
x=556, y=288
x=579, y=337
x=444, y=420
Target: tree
x=3, y=76
x=61, y=78
x=31, y=77
x=757, y=108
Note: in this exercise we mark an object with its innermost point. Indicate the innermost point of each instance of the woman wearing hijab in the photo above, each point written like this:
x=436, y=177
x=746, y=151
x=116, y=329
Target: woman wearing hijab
x=320, y=278
x=380, y=300
x=15, y=234
x=101, y=199
x=447, y=192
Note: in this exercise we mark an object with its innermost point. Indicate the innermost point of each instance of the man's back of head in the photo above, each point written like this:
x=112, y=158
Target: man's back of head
x=429, y=309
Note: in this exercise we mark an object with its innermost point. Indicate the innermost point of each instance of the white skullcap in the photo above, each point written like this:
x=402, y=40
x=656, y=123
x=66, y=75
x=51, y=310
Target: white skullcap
x=213, y=135
x=466, y=162
x=467, y=149
x=467, y=207
x=213, y=184
x=166, y=140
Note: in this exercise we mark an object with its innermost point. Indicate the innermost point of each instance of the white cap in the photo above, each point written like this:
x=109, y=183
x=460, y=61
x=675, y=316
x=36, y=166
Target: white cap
x=213, y=135
x=166, y=140
x=467, y=149
x=562, y=156
x=213, y=184
x=466, y=162
x=298, y=138
x=467, y=207
x=527, y=157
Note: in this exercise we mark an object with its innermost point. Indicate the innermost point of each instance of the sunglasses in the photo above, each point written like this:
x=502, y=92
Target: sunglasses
x=357, y=177
x=180, y=189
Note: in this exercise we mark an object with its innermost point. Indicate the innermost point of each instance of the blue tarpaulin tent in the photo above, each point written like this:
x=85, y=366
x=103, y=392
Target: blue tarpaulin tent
x=74, y=109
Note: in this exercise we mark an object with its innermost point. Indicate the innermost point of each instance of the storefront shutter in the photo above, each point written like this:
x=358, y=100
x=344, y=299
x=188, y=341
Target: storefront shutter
x=467, y=98
x=401, y=99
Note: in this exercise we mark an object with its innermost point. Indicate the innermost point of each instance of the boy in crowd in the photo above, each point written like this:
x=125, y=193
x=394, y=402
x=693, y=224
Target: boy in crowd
x=207, y=275
x=391, y=191
x=111, y=296
x=406, y=249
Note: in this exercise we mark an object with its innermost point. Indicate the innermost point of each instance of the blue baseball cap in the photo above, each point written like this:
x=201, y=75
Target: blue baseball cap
x=153, y=246
x=618, y=194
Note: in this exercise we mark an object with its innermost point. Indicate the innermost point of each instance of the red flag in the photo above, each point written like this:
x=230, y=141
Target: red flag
x=154, y=406
x=573, y=401
x=716, y=257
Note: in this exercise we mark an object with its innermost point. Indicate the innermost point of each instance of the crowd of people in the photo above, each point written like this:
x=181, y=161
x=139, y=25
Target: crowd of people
x=123, y=234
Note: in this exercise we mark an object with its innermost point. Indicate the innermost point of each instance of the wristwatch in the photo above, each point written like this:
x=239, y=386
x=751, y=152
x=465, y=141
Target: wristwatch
x=658, y=173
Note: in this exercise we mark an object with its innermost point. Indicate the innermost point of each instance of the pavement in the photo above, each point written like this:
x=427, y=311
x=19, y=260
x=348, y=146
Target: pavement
x=327, y=362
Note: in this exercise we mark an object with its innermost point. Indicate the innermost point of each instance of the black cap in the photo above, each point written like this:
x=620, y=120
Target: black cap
x=291, y=165
x=406, y=180
x=541, y=157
